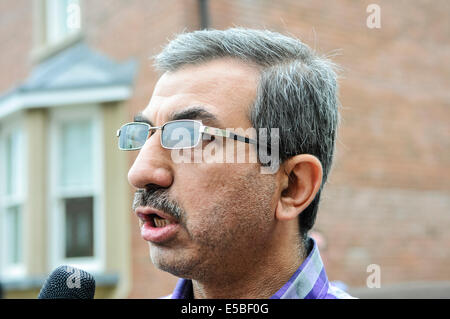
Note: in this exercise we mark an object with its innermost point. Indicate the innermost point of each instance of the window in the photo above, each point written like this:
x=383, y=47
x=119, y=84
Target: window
x=75, y=179
x=63, y=18
x=79, y=241
x=11, y=200
x=75, y=146
x=13, y=235
x=76, y=227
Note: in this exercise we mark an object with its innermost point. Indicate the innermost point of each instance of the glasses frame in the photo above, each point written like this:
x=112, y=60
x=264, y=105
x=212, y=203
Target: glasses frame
x=202, y=129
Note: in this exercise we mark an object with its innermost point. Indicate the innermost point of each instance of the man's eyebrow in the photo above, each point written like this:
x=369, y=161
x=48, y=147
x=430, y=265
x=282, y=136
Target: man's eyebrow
x=195, y=113
x=141, y=118
x=192, y=113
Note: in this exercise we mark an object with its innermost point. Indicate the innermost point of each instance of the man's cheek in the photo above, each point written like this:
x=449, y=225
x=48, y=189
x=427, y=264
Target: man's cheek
x=199, y=193
x=210, y=226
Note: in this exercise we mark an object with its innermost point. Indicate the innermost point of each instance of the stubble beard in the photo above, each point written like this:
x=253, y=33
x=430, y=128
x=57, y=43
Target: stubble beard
x=230, y=237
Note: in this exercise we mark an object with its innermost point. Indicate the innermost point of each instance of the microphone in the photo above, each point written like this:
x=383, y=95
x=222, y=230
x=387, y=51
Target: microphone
x=67, y=282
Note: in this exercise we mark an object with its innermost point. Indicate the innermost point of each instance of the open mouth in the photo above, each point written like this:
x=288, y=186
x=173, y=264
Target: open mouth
x=156, y=226
x=159, y=221
x=154, y=220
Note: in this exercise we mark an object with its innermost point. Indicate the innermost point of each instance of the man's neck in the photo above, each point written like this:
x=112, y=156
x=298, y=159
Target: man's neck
x=262, y=280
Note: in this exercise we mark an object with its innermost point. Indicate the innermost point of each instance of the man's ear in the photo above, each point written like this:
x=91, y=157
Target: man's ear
x=301, y=181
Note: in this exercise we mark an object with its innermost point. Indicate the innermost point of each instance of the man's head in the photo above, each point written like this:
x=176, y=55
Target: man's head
x=229, y=214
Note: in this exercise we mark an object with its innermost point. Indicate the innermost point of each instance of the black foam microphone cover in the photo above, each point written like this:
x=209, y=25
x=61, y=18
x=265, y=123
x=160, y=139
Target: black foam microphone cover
x=67, y=282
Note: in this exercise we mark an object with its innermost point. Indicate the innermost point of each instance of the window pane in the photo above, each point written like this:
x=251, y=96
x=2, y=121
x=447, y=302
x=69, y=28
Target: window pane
x=12, y=163
x=76, y=154
x=13, y=236
x=79, y=227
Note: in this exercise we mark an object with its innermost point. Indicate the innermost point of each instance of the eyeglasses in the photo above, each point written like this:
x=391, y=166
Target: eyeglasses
x=179, y=134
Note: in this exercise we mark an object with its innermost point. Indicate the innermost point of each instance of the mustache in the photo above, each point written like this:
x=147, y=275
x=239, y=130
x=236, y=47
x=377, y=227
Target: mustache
x=158, y=198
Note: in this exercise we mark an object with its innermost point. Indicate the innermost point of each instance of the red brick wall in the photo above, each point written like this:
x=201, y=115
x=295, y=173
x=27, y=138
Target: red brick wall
x=15, y=41
x=387, y=201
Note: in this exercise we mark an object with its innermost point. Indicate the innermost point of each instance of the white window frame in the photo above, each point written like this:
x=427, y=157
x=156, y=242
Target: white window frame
x=56, y=220
x=7, y=126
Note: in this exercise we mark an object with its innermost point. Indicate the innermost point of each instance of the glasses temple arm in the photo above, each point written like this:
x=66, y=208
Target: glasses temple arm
x=228, y=134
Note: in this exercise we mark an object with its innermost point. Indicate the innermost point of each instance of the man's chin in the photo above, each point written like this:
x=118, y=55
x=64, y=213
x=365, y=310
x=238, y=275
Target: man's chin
x=175, y=263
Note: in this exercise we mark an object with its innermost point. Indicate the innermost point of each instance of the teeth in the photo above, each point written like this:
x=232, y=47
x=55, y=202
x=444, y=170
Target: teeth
x=160, y=222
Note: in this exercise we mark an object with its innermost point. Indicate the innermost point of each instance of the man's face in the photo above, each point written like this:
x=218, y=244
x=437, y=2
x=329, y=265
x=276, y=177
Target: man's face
x=225, y=211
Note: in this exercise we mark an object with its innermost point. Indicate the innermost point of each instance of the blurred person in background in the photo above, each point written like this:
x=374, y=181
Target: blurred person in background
x=228, y=230
x=322, y=244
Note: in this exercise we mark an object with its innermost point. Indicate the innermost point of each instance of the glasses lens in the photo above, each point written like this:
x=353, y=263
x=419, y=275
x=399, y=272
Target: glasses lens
x=133, y=136
x=180, y=134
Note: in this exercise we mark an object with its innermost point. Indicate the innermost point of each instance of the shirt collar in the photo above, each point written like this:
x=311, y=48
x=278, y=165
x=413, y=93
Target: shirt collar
x=308, y=282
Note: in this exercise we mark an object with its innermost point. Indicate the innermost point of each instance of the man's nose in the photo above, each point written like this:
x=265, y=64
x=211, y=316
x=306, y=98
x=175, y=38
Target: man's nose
x=152, y=166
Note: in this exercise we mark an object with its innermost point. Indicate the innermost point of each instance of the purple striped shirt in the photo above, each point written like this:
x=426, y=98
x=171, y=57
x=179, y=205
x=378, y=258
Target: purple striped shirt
x=309, y=281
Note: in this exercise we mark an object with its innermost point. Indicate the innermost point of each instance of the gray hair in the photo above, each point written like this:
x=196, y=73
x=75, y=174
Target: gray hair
x=297, y=91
